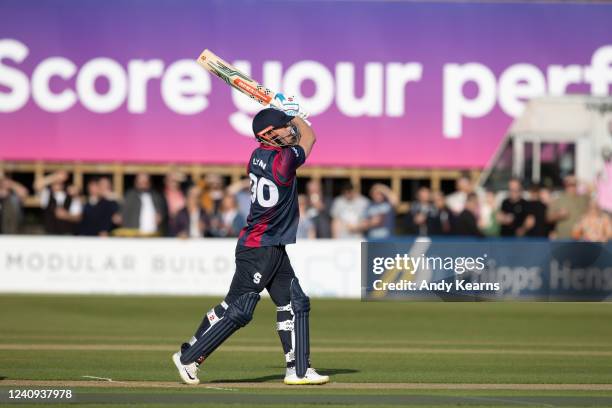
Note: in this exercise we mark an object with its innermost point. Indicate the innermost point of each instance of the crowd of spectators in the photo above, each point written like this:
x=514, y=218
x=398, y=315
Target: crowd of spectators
x=209, y=208
x=538, y=213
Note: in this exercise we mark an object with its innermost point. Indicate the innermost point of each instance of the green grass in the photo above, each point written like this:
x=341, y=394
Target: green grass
x=354, y=342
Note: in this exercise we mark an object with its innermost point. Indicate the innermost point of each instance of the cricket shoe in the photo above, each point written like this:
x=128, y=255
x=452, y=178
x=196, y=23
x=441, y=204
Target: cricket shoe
x=188, y=372
x=310, y=378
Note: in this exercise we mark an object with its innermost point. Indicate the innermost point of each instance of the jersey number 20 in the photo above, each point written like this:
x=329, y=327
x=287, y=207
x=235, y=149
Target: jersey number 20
x=258, y=191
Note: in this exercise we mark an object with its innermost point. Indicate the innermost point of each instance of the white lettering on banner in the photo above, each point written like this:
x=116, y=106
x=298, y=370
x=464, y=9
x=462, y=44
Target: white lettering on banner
x=161, y=266
x=140, y=73
x=12, y=78
x=117, y=85
x=398, y=76
x=456, y=106
x=371, y=103
x=41, y=77
x=185, y=87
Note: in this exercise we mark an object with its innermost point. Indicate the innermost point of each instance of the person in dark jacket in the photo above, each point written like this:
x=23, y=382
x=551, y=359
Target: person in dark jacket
x=192, y=221
x=143, y=208
x=12, y=195
x=466, y=223
x=97, y=216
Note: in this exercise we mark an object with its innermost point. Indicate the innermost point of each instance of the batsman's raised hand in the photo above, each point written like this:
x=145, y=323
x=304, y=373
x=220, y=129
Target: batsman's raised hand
x=289, y=105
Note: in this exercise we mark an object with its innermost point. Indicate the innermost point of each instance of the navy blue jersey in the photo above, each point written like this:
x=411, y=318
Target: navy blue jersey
x=274, y=214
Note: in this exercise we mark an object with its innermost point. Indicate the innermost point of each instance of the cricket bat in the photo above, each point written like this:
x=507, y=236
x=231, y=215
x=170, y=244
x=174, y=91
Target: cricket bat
x=237, y=79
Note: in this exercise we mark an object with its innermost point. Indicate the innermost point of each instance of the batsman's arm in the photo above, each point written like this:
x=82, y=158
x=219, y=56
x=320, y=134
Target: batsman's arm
x=307, y=135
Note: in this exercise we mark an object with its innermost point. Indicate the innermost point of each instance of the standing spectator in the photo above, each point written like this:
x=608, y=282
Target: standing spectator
x=106, y=191
x=466, y=223
x=241, y=190
x=212, y=193
x=380, y=215
x=73, y=214
x=535, y=224
x=227, y=222
x=420, y=211
x=12, y=195
x=60, y=204
x=348, y=211
x=306, y=228
x=594, y=226
x=546, y=199
x=318, y=209
x=97, y=216
x=513, y=211
x=604, y=183
x=143, y=207
x=439, y=220
x=487, y=221
x=456, y=200
x=567, y=209
x=175, y=199
x=192, y=221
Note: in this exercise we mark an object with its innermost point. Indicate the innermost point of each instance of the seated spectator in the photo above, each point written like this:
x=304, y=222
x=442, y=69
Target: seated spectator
x=513, y=211
x=306, y=228
x=348, y=211
x=318, y=209
x=380, y=215
x=535, y=224
x=12, y=195
x=420, y=211
x=567, y=209
x=97, y=216
x=227, y=222
x=487, y=221
x=456, y=201
x=439, y=219
x=594, y=226
x=60, y=204
x=143, y=207
x=192, y=221
x=466, y=223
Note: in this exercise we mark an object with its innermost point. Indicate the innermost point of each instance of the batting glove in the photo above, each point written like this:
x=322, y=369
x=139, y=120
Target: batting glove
x=289, y=105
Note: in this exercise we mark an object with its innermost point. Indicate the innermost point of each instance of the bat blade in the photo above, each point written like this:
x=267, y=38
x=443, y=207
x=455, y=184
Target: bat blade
x=236, y=79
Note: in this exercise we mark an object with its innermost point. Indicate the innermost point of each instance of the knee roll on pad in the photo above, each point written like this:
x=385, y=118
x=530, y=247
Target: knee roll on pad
x=241, y=311
x=237, y=315
x=299, y=301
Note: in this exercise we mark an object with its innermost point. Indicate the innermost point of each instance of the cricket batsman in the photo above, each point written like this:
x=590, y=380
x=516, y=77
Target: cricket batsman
x=285, y=140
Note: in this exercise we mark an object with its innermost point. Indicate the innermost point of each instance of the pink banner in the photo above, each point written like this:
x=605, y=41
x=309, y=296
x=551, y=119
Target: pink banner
x=394, y=84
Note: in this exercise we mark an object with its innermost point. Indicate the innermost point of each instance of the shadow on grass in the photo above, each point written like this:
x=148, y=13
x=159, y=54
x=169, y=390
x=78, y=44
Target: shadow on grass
x=276, y=377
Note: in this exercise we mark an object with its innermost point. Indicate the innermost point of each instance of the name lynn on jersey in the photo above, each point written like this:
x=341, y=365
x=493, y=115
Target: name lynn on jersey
x=259, y=162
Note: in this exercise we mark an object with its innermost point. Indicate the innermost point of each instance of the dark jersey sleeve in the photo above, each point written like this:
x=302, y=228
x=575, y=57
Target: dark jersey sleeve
x=286, y=162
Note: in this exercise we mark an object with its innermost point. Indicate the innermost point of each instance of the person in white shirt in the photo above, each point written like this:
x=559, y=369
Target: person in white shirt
x=348, y=212
x=143, y=207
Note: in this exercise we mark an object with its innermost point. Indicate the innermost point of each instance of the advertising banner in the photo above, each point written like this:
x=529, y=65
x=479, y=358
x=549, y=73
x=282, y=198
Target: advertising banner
x=165, y=266
x=408, y=84
x=487, y=270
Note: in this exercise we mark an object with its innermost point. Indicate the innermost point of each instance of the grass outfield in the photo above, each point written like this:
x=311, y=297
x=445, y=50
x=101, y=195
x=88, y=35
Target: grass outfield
x=425, y=354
